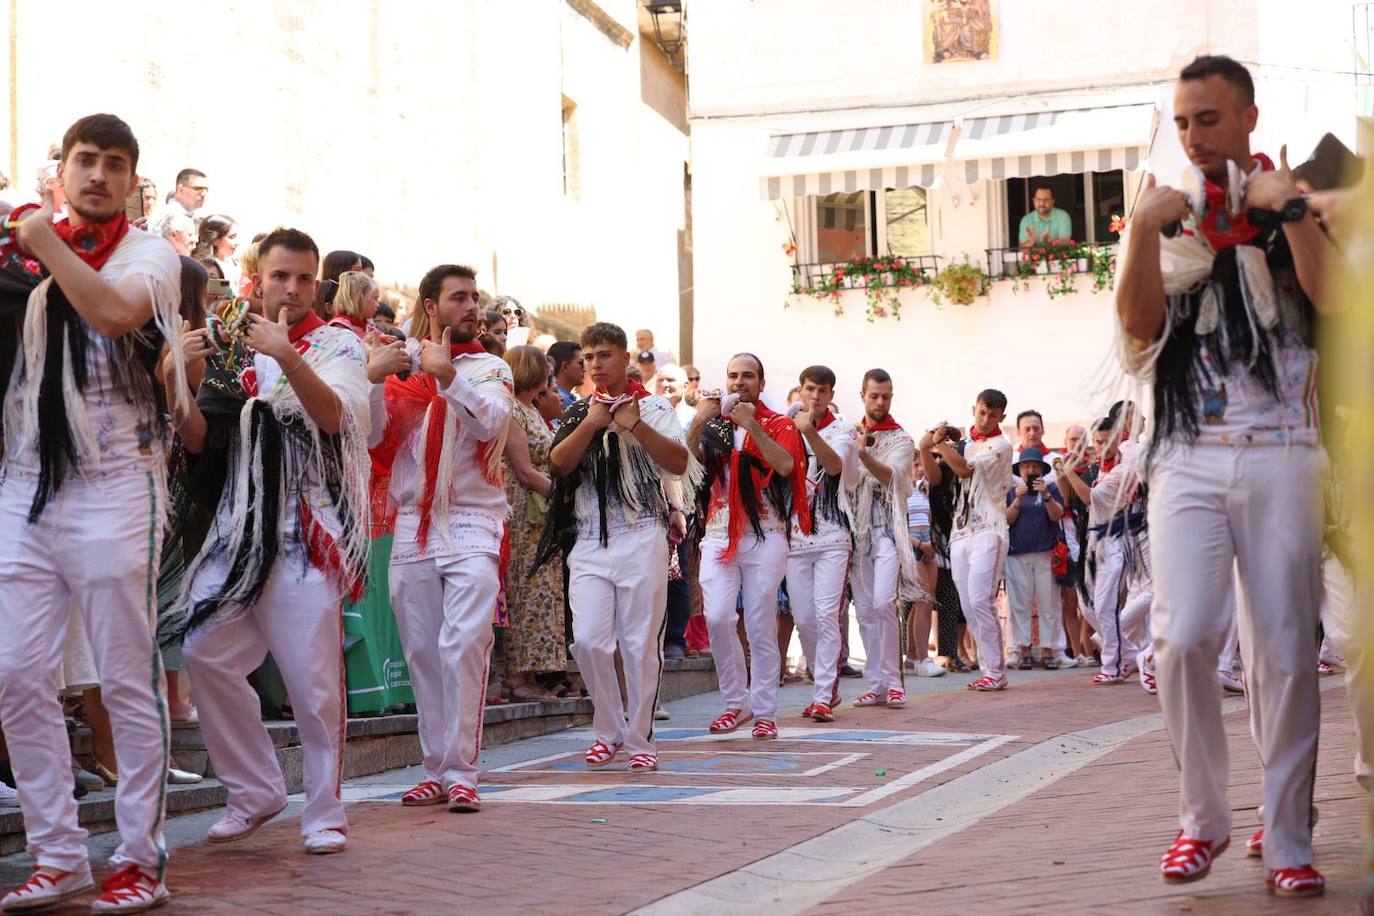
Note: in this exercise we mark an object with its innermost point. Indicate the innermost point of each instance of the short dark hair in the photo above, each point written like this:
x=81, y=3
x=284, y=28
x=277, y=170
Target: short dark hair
x=194, y=281
x=992, y=398
x=603, y=332
x=104, y=130
x=291, y=240
x=1105, y=425
x=433, y=281
x=385, y=310
x=745, y=353
x=337, y=263
x=185, y=175
x=820, y=375
x=366, y=262
x=875, y=375
x=1228, y=68
x=1027, y=413
x=562, y=353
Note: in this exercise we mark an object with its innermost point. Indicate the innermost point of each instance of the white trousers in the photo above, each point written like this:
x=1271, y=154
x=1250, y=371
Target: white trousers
x=443, y=610
x=1122, y=624
x=755, y=574
x=1351, y=630
x=1230, y=647
x=299, y=619
x=1030, y=580
x=619, y=597
x=873, y=579
x=97, y=545
x=1258, y=506
x=815, y=587
x=975, y=561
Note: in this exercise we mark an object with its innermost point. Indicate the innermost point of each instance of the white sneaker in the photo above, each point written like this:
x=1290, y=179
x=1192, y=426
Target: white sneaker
x=927, y=667
x=325, y=842
x=1014, y=658
x=9, y=798
x=1066, y=662
x=231, y=827
x=46, y=887
x=661, y=714
x=1230, y=682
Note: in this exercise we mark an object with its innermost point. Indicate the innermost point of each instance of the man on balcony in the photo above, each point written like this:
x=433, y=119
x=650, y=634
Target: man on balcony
x=1046, y=224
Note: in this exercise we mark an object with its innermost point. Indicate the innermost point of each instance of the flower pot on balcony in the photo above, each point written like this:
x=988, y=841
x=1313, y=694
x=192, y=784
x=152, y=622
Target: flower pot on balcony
x=1081, y=265
x=1042, y=268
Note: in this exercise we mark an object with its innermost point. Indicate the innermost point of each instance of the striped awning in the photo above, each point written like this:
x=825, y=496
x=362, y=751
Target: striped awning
x=1004, y=146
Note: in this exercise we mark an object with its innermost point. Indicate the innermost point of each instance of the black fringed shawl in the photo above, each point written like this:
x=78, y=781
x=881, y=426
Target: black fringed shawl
x=717, y=445
x=132, y=359
x=281, y=440
x=639, y=485
x=1180, y=374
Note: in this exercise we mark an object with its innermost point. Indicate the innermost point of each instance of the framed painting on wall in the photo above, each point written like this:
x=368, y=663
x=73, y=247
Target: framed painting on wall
x=958, y=30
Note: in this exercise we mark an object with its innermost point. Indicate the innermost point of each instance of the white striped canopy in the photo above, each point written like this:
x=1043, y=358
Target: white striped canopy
x=1005, y=146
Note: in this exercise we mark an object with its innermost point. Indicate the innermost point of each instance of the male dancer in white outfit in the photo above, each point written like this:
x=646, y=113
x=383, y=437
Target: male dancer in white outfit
x=978, y=544
x=440, y=467
x=1235, y=464
x=883, y=555
x=755, y=484
x=619, y=456
x=288, y=543
x=1119, y=553
x=818, y=563
x=81, y=514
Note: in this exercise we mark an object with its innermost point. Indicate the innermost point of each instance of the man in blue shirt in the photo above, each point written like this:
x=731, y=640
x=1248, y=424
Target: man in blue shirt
x=568, y=369
x=1046, y=224
x=1034, y=510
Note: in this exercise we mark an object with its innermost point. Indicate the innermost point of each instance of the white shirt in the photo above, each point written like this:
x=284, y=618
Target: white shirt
x=479, y=397
x=980, y=502
x=828, y=534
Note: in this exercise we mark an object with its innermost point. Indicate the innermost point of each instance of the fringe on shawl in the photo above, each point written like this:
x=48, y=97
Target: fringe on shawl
x=893, y=497
x=280, y=448
x=622, y=474
x=76, y=441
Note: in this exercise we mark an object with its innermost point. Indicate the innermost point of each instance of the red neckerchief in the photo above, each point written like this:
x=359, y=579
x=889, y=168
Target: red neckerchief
x=1218, y=226
x=880, y=426
x=408, y=403
x=310, y=322
x=473, y=346
x=825, y=420
x=784, y=432
x=975, y=437
x=1107, y=464
x=93, y=242
x=632, y=388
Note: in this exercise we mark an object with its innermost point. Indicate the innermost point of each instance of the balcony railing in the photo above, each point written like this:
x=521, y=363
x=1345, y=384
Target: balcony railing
x=821, y=276
x=1021, y=263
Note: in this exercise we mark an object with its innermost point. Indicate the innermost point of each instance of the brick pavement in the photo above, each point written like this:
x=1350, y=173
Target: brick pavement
x=1088, y=842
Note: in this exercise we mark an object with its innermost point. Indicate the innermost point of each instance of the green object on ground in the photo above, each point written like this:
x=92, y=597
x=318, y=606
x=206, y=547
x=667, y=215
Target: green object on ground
x=374, y=660
x=880, y=772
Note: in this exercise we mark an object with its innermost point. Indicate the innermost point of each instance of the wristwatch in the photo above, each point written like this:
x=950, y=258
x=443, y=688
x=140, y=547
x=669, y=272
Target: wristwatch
x=1293, y=210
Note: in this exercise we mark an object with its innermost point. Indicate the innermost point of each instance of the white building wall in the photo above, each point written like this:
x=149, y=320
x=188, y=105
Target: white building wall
x=415, y=132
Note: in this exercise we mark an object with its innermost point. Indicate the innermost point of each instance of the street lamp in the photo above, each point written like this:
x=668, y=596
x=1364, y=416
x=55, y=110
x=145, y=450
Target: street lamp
x=669, y=32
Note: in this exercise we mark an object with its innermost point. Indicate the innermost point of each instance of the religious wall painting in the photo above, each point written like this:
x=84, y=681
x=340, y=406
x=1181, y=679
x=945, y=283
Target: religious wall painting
x=959, y=30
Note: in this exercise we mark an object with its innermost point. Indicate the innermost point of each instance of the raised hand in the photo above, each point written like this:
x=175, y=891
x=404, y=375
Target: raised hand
x=743, y=414
x=1159, y=205
x=195, y=344
x=626, y=415
x=270, y=338
x=435, y=358
x=387, y=359
x=36, y=222
x=1271, y=190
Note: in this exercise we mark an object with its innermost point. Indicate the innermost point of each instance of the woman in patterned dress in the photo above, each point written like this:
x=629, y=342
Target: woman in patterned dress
x=535, y=640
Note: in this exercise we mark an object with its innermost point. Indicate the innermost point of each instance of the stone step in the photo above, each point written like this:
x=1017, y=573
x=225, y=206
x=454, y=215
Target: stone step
x=374, y=744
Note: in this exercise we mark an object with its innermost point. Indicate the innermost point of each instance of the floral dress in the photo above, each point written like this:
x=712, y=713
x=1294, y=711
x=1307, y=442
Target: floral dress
x=535, y=639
